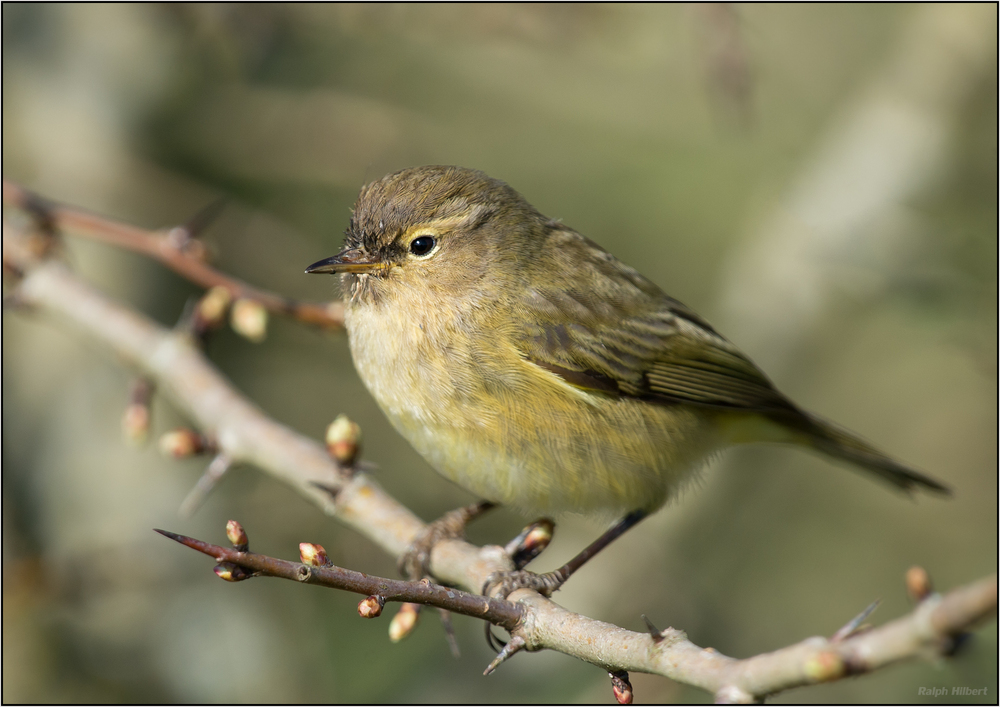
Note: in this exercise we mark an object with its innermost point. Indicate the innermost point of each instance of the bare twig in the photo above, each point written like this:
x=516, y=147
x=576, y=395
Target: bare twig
x=172, y=251
x=497, y=611
x=812, y=661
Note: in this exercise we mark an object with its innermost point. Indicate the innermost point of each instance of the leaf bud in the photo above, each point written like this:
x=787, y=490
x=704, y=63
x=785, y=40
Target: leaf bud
x=621, y=687
x=404, y=621
x=231, y=572
x=313, y=555
x=249, y=319
x=371, y=607
x=237, y=536
x=182, y=443
x=343, y=437
x=918, y=583
x=212, y=307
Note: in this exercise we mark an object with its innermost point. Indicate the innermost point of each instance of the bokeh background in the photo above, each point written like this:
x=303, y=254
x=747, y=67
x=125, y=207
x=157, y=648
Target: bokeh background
x=820, y=182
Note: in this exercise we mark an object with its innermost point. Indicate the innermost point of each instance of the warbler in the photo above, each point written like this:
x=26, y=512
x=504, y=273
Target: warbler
x=530, y=366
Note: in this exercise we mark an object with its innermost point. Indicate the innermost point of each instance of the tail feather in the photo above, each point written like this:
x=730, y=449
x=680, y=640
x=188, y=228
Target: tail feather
x=841, y=444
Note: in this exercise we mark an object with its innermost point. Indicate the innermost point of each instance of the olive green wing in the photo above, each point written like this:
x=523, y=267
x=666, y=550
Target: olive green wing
x=644, y=345
x=602, y=326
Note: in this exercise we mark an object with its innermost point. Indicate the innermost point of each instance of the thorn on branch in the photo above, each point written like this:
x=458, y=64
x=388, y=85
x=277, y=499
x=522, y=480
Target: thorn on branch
x=194, y=544
x=854, y=626
x=515, y=644
x=530, y=542
x=219, y=466
x=248, y=318
x=449, y=632
x=621, y=687
x=404, y=621
x=237, y=536
x=181, y=240
x=371, y=607
x=655, y=633
x=343, y=440
x=334, y=491
x=200, y=222
x=184, y=238
x=314, y=555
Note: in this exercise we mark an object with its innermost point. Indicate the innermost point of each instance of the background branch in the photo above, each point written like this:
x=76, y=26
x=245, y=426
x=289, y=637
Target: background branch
x=167, y=248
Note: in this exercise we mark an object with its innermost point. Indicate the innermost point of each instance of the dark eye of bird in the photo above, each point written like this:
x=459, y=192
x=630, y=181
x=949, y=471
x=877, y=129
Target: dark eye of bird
x=421, y=245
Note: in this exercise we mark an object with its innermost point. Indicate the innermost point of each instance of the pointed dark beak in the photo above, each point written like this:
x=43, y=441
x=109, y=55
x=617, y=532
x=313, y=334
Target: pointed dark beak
x=350, y=260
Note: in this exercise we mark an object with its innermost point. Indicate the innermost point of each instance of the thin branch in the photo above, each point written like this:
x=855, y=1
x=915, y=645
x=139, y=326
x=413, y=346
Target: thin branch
x=931, y=626
x=168, y=250
x=536, y=623
x=496, y=611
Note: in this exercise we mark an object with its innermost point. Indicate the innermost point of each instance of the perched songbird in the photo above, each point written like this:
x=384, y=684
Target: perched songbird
x=531, y=367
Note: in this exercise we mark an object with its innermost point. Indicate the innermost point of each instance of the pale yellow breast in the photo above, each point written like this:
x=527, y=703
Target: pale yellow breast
x=514, y=433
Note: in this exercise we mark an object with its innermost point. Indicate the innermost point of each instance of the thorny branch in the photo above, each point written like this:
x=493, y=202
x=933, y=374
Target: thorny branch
x=245, y=434
x=496, y=611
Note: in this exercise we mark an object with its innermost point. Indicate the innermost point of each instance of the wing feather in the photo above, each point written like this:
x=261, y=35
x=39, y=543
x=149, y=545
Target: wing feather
x=623, y=336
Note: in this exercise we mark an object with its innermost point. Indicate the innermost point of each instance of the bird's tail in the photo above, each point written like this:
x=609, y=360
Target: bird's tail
x=841, y=444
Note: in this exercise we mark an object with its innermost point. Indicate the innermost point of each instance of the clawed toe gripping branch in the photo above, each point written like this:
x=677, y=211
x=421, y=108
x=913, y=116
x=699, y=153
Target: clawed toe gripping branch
x=239, y=435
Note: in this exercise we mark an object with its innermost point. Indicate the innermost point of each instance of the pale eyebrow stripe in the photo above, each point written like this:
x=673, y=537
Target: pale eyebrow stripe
x=471, y=214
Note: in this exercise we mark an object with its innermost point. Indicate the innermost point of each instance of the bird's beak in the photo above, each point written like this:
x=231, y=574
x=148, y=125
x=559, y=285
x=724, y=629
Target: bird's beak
x=351, y=260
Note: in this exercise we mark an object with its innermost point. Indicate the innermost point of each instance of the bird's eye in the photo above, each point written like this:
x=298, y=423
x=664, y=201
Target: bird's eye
x=422, y=245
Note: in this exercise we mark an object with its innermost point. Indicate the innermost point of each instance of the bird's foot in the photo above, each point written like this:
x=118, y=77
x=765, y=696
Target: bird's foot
x=501, y=584
x=414, y=563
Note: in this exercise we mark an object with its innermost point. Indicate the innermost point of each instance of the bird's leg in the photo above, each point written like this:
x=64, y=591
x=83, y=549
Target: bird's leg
x=414, y=563
x=503, y=583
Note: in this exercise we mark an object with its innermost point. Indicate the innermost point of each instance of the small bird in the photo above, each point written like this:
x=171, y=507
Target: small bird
x=531, y=367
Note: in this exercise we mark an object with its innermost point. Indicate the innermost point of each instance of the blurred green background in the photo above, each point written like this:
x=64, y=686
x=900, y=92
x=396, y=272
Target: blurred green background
x=706, y=145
